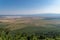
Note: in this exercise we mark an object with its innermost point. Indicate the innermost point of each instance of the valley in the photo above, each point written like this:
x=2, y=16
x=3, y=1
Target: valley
x=47, y=28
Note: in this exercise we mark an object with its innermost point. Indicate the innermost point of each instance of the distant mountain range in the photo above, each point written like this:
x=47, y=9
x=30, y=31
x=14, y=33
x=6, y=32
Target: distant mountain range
x=41, y=15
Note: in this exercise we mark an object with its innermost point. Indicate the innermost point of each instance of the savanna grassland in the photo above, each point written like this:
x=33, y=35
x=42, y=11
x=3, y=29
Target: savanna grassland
x=29, y=28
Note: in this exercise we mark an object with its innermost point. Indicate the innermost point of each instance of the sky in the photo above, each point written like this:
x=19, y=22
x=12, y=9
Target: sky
x=18, y=7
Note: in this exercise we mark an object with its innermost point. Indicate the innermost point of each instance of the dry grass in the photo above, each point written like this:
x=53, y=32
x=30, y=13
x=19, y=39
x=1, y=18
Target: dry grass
x=23, y=22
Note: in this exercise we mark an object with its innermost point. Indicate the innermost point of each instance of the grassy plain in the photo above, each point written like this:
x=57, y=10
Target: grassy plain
x=50, y=28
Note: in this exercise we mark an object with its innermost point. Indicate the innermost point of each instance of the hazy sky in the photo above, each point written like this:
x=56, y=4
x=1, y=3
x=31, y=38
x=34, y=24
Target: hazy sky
x=13, y=7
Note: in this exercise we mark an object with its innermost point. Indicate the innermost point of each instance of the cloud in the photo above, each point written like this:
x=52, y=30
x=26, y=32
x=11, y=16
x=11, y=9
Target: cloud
x=54, y=8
